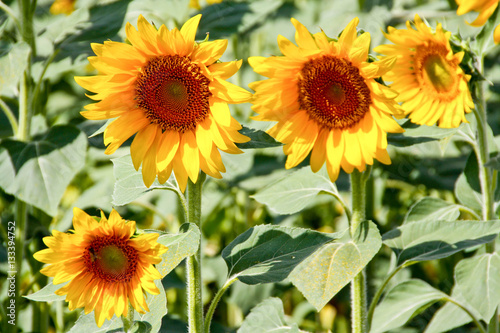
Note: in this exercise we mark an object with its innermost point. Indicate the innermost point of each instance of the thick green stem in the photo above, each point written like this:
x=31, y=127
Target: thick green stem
x=358, y=284
x=193, y=263
x=128, y=321
x=215, y=301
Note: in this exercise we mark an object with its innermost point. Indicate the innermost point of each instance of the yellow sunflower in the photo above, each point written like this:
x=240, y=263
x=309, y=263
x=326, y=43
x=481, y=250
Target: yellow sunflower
x=427, y=75
x=324, y=96
x=65, y=7
x=196, y=3
x=106, y=265
x=486, y=8
x=171, y=92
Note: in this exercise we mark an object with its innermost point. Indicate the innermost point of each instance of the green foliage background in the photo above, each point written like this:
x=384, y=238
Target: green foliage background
x=432, y=179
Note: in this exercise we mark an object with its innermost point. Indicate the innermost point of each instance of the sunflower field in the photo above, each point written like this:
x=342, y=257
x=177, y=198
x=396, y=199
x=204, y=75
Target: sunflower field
x=249, y=166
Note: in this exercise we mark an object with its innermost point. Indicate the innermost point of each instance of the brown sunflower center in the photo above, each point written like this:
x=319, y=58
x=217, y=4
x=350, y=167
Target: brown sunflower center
x=173, y=92
x=333, y=92
x=111, y=259
x=435, y=72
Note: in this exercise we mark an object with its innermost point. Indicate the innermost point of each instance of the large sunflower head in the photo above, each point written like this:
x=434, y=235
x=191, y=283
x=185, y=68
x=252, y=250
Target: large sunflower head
x=427, y=75
x=324, y=96
x=486, y=8
x=107, y=266
x=172, y=94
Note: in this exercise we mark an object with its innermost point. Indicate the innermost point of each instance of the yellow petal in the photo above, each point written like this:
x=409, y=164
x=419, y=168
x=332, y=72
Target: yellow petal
x=141, y=144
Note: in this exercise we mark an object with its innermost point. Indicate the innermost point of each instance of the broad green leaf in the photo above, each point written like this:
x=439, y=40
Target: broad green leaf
x=129, y=184
x=267, y=317
x=179, y=246
x=47, y=293
x=12, y=66
x=38, y=172
x=402, y=303
x=259, y=139
x=477, y=279
x=417, y=241
x=143, y=323
x=323, y=274
x=268, y=253
x=441, y=322
x=294, y=192
x=432, y=209
x=415, y=134
x=467, y=195
x=239, y=17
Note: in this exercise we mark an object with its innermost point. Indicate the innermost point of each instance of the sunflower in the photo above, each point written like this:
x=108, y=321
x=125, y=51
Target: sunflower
x=324, y=96
x=196, y=3
x=486, y=8
x=107, y=266
x=427, y=75
x=65, y=7
x=171, y=92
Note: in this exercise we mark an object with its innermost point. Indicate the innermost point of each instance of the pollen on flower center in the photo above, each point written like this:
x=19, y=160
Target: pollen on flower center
x=111, y=259
x=333, y=92
x=173, y=92
x=435, y=72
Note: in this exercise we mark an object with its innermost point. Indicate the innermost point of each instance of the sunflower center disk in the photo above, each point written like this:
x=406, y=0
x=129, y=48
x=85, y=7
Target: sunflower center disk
x=438, y=72
x=109, y=258
x=173, y=92
x=333, y=92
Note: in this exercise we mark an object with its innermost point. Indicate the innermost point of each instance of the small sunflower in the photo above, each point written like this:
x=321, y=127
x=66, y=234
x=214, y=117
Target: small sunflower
x=324, y=96
x=65, y=7
x=427, y=75
x=171, y=93
x=486, y=8
x=106, y=265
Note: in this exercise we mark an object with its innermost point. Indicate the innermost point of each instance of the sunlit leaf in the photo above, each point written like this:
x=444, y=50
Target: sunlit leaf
x=179, y=246
x=323, y=274
x=294, y=192
x=268, y=253
x=267, y=317
x=47, y=294
x=38, y=172
x=441, y=322
x=12, y=66
x=432, y=209
x=438, y=239
x=415, y=134
x=477, y=278
x=129, y=184
x=259, y=139
x=403, y=302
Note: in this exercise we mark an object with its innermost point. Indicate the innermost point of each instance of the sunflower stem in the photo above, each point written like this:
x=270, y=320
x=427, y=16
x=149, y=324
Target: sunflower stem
x=215, y=301
x=193, y=263
x=128, y=321
x=487, y=177
x=358, y=284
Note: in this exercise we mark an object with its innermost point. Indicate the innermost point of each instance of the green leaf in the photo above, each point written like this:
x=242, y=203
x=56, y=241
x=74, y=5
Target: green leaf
x=38, y=172
x=466, y=195
x=179, y=246
x=47, y=293
x=432, y=209
x=129, y=184
x=295, y=191
x=438, y=239
x=12, y=66
x=267, y=317
x=441, y=322
x=268, y=253
x=415, y=134
x=402, y=303
x=148, y=322
x=258, y=139
x=323, y=274
x=477, y=279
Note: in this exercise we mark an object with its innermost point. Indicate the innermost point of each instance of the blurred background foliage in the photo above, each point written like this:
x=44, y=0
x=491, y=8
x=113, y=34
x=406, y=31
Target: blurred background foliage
x=420, y=167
